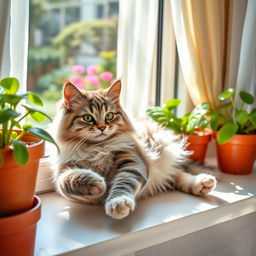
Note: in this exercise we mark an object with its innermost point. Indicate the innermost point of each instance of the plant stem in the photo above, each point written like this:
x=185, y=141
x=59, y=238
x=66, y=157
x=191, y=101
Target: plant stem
x=20, y=135
x=242, y=105
x=23, y=117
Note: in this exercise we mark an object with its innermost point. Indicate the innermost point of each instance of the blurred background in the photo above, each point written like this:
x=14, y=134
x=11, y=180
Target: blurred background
x=73, y=40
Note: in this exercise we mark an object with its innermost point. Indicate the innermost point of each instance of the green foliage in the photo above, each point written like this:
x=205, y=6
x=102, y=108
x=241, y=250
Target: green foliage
x=41, y=56
x=108, y=62
x=54, y=80
x=187, y=124
x=11, y=119
x=101, y=34
x=229, y=119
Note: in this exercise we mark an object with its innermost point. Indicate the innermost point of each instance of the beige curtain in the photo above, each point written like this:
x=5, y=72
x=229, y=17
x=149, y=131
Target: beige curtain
x=208, y=35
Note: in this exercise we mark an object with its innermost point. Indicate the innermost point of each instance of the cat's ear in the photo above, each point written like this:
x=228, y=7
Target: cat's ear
x=114, y=91
x=72, y=95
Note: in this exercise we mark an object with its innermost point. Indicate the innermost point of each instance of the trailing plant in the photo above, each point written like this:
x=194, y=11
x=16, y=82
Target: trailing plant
x=187, y=124
x=230, y=119
x=11, y=118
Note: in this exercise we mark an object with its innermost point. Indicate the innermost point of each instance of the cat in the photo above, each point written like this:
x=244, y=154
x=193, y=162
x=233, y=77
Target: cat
x=105, y=159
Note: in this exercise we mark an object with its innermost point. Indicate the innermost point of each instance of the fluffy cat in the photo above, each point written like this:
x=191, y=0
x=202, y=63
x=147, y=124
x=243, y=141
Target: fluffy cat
x=104, y=159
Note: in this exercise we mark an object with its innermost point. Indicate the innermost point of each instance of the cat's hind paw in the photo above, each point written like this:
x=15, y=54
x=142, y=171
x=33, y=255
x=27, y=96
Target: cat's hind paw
x=119, y=207
x=204, y=184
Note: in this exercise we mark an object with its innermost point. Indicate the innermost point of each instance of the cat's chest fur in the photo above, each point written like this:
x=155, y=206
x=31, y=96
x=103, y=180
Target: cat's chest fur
x=99, y=158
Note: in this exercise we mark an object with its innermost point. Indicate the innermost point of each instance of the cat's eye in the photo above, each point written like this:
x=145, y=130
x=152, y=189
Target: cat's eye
x=88, y=118
x=109, y=116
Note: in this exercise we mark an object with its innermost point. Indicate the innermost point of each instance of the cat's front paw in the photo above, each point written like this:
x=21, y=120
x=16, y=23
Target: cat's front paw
x=83, y=183
x=204, y=184
x=119, y=207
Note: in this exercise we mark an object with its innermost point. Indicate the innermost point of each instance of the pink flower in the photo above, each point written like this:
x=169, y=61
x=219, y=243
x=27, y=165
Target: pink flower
x=77, y=81
x=78, y=69
x=107, y=76
x=93, y=80
x=92, y=69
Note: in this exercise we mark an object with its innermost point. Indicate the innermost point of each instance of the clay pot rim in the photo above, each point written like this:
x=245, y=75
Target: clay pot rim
x=23, y=220
x=38, y=141
x=241, y=139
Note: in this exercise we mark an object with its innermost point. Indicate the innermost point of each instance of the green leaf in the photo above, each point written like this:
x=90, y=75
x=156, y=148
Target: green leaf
x=252, y=118
x=241, y=116
x=224, y=105
x=226, y=94
x=25, y=127
x=36, y=114
x=13, y=99
x=184, y=119
x=196, y=116
x=204, y=124
x=7, y=114
x=43, y=135
x=226, y=132
x=20, y=152
x=246, y=97
x=16, y=124
x=35, y=99
x=171, y=104
x=214, y=122
x=10, y=84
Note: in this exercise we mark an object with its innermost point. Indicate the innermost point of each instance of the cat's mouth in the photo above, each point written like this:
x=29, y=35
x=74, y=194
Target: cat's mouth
x=102, y=134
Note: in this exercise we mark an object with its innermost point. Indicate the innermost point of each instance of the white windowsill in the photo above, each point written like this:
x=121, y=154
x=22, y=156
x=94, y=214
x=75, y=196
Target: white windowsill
x=68, y=228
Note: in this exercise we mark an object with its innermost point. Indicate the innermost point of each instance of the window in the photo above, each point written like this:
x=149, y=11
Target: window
x=72, y=40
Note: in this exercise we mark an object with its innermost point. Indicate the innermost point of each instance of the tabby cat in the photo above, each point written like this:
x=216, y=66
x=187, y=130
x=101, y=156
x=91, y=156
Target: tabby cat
x=106, y=160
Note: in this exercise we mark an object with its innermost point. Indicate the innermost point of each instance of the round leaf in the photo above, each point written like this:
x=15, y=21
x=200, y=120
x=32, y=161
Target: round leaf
x=20, y=152
x=7, y=115
x=36, y=113
x=252, y=118
x=246, y=97
x=172, y=104
x=226, y=94
x=10, y=84
x=226, y=132
x=241, y=116
x=35, y=99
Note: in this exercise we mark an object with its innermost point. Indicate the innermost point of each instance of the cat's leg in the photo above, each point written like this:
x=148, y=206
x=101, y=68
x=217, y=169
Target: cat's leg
x=80, y=184
x=130, y=178
x=200, y=184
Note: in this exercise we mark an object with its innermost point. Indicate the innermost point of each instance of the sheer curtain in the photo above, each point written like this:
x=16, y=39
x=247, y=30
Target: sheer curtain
x=246, y=78
x=14, y=16
x=136, y=54
x=208, y=35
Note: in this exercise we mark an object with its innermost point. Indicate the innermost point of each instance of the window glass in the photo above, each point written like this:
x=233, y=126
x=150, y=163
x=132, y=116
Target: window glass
x=71, y=40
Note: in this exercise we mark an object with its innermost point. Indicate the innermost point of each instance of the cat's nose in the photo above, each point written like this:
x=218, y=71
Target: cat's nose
x=102, y=128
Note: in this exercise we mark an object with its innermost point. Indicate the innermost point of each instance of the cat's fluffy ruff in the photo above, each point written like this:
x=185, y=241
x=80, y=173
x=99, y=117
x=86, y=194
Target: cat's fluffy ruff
x=124, y=165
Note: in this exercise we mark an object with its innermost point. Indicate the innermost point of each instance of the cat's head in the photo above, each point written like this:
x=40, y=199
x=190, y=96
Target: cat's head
x=92, y=116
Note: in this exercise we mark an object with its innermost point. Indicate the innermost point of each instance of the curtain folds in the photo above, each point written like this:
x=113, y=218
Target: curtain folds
x=246, y=77
x=14, y=18
x=136, y=54
x=208, y=35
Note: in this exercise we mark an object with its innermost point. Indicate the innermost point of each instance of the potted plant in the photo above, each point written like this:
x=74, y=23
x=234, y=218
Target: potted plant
x=235, y=133
x=21, y=147
x=192, y=125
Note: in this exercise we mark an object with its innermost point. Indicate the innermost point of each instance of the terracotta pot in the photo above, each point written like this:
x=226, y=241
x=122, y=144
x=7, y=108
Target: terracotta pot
x=17, y=232
x=198, y=143
x=237, y=155
x=17, y=182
